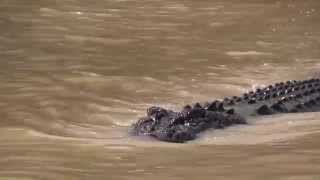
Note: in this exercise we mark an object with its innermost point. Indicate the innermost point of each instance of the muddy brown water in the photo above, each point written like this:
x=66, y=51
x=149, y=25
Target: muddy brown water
x=76, y=74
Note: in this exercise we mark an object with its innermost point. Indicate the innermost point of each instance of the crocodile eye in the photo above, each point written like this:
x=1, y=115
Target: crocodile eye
x=155, y=113
x=226, y=99
x=230, y=111
x=179, y=120
x=231, y=102
x=238, y=99
x=197, y=105
x=144, y=126
x=258, y=90
x=213, y=106
x=197, y=113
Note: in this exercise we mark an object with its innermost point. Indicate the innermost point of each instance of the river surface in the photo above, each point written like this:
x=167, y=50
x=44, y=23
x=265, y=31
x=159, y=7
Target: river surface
x=76, y=74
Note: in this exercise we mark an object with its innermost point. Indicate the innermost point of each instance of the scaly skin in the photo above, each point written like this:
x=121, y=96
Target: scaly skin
x=289, y=97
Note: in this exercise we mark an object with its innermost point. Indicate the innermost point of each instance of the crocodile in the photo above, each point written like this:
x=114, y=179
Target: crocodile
x=294, y=96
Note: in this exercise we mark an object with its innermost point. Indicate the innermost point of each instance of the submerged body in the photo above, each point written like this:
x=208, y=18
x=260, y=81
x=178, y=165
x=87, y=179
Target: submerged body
x=288, y=97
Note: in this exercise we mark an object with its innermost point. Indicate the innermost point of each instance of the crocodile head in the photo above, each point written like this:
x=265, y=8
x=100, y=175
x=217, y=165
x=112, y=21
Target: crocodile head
x=167, y=125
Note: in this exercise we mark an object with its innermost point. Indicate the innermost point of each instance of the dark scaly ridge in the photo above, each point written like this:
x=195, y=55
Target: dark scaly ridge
x=283, y=97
